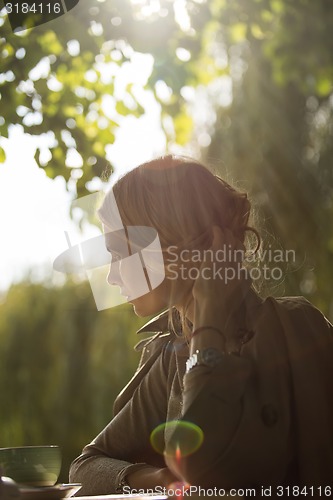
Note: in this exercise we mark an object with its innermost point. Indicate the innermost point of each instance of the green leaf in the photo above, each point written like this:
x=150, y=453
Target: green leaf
x=122, y=109
x=238, y=32
x=257, y=31
x=98, y=148
x=2, y=155
x=36, y=156
x=324, y=86
x=183, y=127
x=277, y=6
x=51, y=41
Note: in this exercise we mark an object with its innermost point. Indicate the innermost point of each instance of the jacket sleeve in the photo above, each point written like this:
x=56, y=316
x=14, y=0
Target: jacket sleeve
x=124, y=444
x=245, y=408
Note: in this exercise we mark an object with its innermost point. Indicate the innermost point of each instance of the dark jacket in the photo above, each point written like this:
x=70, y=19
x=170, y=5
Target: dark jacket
x=266, y=411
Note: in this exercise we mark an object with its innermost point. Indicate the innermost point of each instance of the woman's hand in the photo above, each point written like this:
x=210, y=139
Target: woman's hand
x=165, y=477
x=222, y=283
x=149, y=478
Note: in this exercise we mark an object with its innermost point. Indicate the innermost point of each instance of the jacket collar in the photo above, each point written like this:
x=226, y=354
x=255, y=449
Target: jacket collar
x=158, y=324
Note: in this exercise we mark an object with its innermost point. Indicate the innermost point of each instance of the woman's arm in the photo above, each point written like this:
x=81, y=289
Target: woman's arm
x=123, y=448
x=266, y=413
x=242, y=404
x=101, y=475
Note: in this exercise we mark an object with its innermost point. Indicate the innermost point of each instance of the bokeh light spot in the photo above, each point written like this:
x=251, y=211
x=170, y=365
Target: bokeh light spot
x=176, y=438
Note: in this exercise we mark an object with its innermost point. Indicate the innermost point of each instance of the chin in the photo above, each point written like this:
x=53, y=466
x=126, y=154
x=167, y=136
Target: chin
x=141, y=310
x=152, y=302
x=137, y=309
x=147, y=306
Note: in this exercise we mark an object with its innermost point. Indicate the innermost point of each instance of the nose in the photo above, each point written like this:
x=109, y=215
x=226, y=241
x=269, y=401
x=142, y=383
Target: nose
x=114, y=274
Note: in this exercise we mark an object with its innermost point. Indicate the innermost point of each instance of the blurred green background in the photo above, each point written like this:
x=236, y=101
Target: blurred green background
x=62, y=363
x=244, y=85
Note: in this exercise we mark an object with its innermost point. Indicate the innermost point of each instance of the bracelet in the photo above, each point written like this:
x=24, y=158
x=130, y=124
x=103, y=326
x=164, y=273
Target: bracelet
x=122, y=485
x=201, y=328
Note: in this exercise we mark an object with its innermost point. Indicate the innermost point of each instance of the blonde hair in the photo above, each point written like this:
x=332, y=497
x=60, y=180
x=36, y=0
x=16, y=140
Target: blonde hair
x=182, y=199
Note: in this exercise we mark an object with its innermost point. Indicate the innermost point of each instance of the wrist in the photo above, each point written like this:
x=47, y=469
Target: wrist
x=209, y=320
x=163, y=477
x=142, y=478
x=217, y=317
x=207, y=336
x=219, y=313
x=149, y=478
x=208, y=313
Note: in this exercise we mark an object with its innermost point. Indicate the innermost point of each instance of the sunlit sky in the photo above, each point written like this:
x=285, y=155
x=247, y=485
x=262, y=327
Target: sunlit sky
x=34, y=209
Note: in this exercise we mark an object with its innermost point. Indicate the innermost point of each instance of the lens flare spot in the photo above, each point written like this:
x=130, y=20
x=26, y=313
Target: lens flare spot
x=176, y=438
x=178, y=453
x=178, y=490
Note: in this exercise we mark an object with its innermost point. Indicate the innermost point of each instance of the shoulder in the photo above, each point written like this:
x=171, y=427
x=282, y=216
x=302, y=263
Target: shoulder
x=286, y=324
x=293, y=328
x=299, y=309
x=293, y=302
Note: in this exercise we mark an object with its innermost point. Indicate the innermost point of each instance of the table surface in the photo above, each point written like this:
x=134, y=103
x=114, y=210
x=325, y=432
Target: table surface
x=122, y=497
x=148, y=497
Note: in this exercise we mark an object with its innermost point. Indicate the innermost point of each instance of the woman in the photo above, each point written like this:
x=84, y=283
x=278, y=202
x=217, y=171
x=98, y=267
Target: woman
x=254, y=376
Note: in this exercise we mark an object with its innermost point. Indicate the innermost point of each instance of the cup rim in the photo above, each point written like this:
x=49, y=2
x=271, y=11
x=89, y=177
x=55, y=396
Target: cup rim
x=30, y=447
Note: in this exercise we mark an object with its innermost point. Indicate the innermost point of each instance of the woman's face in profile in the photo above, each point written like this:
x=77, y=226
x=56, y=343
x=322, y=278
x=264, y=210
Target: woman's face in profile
x=128, y=271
